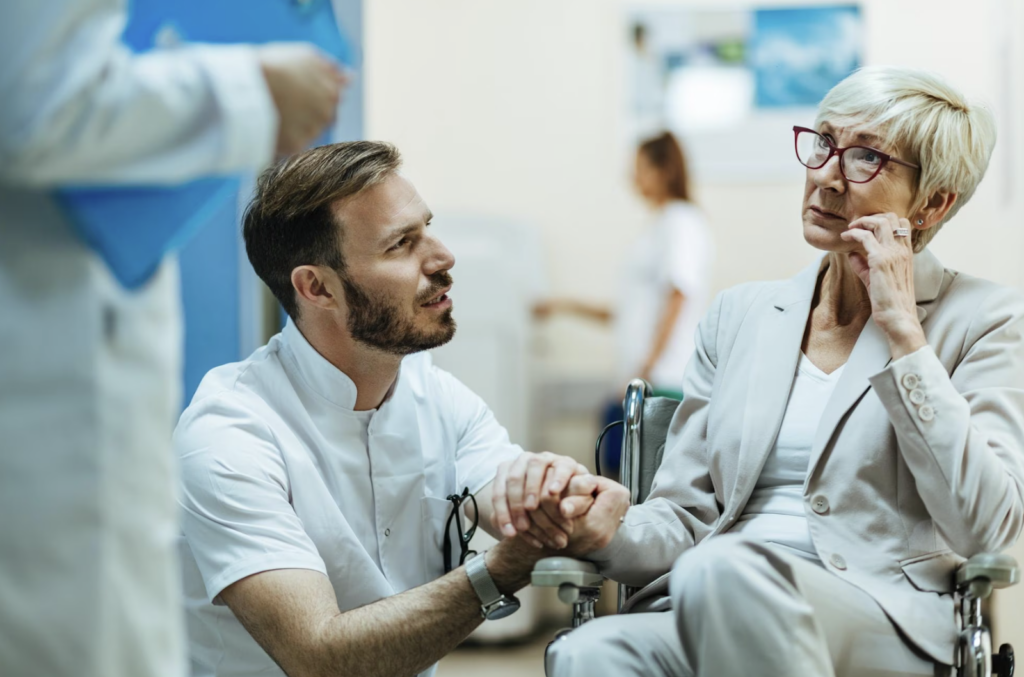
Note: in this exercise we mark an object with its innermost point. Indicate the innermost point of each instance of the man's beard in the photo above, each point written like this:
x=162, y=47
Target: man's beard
x=377, y=321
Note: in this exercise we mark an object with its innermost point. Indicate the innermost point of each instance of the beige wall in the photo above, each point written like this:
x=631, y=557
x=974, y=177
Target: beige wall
x=515, y=109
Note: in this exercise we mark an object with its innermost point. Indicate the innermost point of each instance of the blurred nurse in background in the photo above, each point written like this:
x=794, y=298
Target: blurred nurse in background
x=668, y=270
x=667, y=282
x=665, y=292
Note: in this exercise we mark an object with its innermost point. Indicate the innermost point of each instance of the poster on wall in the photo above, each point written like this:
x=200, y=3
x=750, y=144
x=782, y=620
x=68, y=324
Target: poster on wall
x=731, y=83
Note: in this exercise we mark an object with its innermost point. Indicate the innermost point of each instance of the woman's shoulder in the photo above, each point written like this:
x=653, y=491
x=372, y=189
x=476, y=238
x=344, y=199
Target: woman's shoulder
x=983, y=300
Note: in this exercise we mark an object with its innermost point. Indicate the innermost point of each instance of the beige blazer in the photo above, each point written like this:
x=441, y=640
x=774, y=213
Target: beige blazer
x=916, y=463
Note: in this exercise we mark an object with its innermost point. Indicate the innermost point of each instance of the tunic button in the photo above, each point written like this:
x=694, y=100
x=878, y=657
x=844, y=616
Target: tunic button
x=387, y=532
x=910, y=381
x=838, y=562
x=820, y=505
x=926, y=413
x=917, y=396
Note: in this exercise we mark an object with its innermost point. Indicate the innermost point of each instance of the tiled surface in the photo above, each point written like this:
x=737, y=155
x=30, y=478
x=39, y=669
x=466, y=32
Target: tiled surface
x=526, y=660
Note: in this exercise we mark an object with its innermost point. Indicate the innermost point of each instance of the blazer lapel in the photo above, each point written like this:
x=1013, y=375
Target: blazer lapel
x=871, y=355
x=776, y=355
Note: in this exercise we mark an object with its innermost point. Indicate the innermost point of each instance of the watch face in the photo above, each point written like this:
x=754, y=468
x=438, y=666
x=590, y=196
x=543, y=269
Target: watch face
x=506, y=606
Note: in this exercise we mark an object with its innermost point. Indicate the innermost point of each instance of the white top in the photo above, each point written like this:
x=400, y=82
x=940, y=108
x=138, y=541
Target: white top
x=675, y=253
x=775, y=511
x=279, y=472
x=87, y=405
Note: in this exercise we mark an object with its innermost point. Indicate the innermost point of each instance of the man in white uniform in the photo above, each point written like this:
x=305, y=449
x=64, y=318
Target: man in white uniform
x=318, y=473
x=90, y=373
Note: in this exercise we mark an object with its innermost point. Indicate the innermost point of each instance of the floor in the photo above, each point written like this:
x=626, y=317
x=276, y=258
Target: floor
x=521, y=660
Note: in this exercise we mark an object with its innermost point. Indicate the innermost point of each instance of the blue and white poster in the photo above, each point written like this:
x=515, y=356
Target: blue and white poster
x=732, y=81
x=798, y=55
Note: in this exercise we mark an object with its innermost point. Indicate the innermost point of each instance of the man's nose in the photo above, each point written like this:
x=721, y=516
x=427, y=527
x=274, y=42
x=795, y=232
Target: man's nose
x=440, y=258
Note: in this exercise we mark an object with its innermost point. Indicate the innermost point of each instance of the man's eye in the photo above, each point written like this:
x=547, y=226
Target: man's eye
x=398, y=245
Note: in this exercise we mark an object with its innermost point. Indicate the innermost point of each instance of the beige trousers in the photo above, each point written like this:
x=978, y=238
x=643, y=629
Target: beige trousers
x=745, y=608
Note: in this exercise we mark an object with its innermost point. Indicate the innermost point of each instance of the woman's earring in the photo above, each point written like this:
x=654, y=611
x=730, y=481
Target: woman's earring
x=920, y=222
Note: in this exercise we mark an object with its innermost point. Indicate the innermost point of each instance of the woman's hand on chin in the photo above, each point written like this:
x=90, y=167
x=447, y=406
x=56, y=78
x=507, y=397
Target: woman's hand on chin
x=885, y=264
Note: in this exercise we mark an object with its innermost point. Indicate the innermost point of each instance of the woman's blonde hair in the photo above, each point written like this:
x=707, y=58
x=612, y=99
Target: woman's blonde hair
x=925, y=121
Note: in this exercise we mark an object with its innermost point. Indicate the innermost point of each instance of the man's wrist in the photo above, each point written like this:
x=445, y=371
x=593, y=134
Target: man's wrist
x=510, y=564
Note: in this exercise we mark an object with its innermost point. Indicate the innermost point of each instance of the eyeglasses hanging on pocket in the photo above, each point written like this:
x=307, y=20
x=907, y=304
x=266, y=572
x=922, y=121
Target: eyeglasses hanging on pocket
x=466, y=536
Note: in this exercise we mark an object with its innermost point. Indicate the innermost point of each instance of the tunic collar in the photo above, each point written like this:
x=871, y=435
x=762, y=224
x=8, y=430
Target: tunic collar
x=320, y=376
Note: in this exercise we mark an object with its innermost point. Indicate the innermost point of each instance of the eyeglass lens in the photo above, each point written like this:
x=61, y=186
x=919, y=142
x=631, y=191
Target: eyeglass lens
x=858, y=163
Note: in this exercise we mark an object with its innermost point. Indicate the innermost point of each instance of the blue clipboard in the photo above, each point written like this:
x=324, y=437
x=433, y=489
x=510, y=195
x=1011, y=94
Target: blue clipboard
x=133, y=227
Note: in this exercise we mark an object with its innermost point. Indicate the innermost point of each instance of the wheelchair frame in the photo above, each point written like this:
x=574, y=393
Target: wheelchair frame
x=579, y=582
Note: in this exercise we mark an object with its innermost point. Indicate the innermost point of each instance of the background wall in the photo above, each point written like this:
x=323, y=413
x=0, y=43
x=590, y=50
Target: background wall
x=516, y=110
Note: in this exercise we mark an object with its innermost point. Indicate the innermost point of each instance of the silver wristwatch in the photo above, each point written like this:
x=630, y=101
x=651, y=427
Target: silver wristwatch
x=493, y=604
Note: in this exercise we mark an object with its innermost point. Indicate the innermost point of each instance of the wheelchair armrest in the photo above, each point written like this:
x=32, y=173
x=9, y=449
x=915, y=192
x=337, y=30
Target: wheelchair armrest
x=986, y=571
x=578, y=582
x=553, y=572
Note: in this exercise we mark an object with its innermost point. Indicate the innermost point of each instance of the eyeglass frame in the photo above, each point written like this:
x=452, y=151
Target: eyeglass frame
x=836, y=150
x=464, y=537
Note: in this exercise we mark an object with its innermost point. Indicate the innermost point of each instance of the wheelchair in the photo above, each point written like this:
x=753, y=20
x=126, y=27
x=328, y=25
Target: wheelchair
x=646, y=424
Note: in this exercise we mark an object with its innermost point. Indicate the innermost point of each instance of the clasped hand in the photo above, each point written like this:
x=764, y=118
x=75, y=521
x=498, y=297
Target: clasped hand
x=552, y=501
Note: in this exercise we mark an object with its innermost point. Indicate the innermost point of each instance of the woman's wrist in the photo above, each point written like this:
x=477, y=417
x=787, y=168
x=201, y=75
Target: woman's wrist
x=905, y=337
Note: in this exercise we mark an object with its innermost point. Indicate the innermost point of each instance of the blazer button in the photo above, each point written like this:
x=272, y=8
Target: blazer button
x=387, y=532
x=911, y=381
x=926, y=413
x=837, y=561
x=917, y=396
x=819, y=505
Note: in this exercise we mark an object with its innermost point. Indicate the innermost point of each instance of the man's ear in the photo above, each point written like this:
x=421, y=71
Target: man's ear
x=317, y=286
x=934, y=210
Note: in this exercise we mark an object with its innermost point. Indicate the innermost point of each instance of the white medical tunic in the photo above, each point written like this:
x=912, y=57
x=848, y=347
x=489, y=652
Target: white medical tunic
x=90, y=372
x=279, y=472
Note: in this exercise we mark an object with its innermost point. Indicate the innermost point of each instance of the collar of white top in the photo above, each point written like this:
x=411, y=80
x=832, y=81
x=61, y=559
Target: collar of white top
x=814, y=371
x=321, y=376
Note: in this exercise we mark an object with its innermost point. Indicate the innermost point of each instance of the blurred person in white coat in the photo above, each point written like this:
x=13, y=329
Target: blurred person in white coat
x=89, y=378
x=665, y=289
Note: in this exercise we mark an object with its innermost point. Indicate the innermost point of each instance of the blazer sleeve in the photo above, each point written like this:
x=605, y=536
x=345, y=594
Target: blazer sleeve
x=962, y=434
x=681, y=508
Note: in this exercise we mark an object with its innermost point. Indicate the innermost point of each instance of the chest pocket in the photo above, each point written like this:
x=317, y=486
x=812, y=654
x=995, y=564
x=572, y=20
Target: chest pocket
x=435, y=513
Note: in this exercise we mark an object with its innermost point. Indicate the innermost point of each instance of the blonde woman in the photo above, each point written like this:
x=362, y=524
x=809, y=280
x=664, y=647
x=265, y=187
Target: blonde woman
x=848, y=436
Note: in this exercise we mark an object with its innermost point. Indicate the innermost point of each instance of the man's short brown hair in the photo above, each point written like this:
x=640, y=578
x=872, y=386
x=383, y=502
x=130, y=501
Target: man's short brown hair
x=290, y=221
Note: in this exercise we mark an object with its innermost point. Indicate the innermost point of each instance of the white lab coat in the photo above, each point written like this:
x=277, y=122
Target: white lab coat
x=89, y=375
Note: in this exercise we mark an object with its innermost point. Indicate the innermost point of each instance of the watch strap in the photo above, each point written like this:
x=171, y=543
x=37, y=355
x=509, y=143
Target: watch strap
x=480, y=579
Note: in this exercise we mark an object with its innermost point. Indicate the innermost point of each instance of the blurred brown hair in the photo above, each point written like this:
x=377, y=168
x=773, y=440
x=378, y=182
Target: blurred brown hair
x=665, y=153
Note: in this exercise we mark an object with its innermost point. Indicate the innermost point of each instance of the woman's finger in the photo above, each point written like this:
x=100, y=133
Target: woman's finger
x=574, y=506
x=865, y=238
x=547, y=531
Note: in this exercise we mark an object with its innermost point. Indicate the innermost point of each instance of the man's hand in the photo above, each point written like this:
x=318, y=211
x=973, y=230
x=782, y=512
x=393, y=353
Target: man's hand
x=526, y=496
x=595, y=521
x=306, y=88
